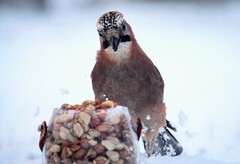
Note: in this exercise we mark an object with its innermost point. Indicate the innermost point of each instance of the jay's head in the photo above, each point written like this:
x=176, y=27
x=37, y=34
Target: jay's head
x=114, y=32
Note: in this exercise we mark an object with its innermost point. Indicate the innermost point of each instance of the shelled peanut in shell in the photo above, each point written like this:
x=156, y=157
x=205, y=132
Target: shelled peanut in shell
x=93, y=132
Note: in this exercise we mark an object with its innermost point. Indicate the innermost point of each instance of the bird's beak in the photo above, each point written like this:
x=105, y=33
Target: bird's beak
x=114, y=42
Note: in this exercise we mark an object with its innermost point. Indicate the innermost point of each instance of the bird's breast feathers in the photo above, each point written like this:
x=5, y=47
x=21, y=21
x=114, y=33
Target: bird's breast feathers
x=121, y=54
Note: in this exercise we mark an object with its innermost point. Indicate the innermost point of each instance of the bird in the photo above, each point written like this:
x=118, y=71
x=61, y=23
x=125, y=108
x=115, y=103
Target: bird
x=125, y=74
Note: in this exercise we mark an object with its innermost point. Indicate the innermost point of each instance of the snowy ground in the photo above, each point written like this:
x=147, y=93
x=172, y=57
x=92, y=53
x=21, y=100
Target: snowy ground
x=46, y=59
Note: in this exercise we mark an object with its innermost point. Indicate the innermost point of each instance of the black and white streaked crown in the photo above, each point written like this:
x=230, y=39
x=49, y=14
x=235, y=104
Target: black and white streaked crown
x=110, y=20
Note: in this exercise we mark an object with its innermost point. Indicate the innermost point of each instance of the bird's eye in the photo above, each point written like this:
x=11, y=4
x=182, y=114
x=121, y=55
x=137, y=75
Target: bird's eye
x=123, y=27
x=100, y=33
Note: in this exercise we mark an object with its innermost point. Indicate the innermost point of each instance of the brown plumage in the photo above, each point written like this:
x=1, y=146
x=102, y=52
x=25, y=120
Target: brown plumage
x=123, y=73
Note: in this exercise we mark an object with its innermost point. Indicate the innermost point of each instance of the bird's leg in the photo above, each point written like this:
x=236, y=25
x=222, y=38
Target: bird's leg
x=149, y=146
x=148, y=140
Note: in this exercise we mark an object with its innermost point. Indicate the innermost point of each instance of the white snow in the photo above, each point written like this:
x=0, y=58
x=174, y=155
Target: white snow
x=166, y=137
x=46, y=59
x=148, y=117
x=170, y=151
x=161, y=130
x=182, y=118
x=117, y=111
x=64, y=91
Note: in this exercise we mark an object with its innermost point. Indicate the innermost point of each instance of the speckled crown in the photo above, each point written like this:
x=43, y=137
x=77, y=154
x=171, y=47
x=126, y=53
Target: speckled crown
x=110, y=20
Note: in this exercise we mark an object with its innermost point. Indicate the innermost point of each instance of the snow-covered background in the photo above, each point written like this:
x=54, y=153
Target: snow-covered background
x=46, y=57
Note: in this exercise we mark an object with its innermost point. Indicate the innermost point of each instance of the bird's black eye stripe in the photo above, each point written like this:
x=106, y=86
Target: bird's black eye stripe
x=125, y=38
x=105, y=44
x=123, y=27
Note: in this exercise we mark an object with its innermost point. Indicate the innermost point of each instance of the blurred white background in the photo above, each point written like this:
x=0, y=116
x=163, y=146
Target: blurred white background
x=47, y=52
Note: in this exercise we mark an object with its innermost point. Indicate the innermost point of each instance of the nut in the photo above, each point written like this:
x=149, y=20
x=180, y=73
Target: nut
x=77, y=107
x=92, y=142
x=85, y=127
x=108, y=144
x=84, y=143
x=55, y=148
x=63, y=118
x=95, y=122
x=104, y=128
x=101, y=160
x=78, y=130
x=67, y=161
x=120, y=146
x=120, y=161
x=63, y=135
x=114, y=120
x=75, y=148
x=56, y=158
x=94, y=133
x=65, y=130
x=123, y=154
x=84, y=118
x=66, y=135
x=114, y=140
x=63, y=142
x=102, y=115
x=79, y=154
x=66, y=152
x=99, y=148
x=88, y=134
x=56, y=126
x=91, y=154
x=55, y=134
x=106, y=104
x=89, y=108
x=64, y=106
x=87, y=102
x=113, y=155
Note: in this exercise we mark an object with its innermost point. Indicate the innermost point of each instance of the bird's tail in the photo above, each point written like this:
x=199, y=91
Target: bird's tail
x=166, y=144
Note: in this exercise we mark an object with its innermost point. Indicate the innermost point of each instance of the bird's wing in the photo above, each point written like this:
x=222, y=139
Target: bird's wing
x=98, y=78
x=166, y=144
x=160, y=82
